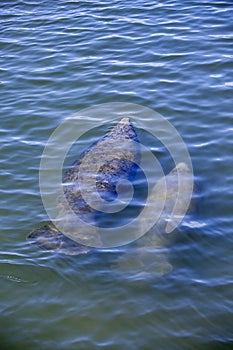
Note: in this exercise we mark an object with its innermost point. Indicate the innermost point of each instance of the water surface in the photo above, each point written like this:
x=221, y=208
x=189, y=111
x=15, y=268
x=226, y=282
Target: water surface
x=60, y=57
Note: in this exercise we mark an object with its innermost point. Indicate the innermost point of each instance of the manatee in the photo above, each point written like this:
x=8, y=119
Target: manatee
x=100, y=167
x=148, y=256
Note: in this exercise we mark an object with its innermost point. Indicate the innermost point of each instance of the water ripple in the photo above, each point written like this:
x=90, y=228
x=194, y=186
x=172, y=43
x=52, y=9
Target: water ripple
x=58, y=58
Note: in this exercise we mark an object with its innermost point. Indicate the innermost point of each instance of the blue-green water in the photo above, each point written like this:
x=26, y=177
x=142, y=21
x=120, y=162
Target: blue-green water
x=62, y=56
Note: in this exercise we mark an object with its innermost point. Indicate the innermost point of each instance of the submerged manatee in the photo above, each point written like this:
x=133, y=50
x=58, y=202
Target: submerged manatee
x=149, y=255
x=99, y=168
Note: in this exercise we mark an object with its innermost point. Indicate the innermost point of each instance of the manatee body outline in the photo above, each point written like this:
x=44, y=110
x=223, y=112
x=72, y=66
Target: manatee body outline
x=149, y=256
x=113, y=167
x=146, y=257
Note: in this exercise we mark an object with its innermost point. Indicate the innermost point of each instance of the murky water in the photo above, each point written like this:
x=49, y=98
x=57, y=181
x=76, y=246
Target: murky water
x=60, y=57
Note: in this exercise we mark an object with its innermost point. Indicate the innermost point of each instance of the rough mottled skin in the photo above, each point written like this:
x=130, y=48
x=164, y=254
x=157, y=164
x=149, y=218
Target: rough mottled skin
x=50, y=238
x=100, y=167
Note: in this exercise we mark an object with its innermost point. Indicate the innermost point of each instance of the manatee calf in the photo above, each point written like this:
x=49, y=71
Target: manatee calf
x=98, y=169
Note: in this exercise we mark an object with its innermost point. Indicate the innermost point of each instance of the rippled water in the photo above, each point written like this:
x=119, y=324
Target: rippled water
x=60, y=57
